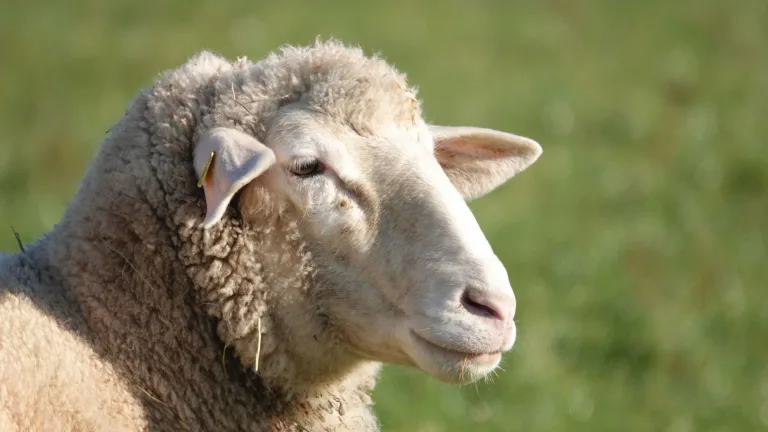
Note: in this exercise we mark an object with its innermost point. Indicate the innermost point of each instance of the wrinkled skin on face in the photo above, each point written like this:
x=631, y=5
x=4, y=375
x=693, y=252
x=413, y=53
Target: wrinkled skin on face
x=405, y=271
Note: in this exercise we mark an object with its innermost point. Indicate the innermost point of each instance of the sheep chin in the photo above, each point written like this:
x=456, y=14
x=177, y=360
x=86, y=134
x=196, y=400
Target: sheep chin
x=449, y=366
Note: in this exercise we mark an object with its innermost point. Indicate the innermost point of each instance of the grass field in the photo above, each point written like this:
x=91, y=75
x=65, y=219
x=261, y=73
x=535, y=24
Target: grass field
x=637, y=245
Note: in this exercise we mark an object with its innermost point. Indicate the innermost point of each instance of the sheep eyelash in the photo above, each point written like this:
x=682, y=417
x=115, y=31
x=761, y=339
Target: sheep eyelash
x=300, y=167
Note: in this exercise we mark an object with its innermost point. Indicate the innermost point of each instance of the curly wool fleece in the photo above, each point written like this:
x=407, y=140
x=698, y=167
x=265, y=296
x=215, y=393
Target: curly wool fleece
x=120, y=318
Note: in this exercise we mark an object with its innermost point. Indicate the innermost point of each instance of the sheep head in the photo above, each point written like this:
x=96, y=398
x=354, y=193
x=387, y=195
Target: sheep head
x=403, y=271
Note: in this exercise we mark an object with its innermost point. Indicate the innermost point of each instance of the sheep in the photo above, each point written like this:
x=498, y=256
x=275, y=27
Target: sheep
x=251, y=243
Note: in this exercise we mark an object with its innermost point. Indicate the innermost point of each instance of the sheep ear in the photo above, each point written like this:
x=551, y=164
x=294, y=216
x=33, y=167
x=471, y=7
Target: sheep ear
x=225, y=160
x=477, y=160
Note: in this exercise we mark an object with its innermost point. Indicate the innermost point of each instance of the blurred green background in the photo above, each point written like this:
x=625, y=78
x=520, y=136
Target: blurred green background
x=636, y=245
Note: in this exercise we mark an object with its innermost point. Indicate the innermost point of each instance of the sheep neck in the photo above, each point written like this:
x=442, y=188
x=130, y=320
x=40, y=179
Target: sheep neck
x=130, y=255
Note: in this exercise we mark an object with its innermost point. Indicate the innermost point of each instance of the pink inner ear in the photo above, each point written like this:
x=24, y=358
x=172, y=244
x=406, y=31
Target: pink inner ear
x=209, y=186
x=218, y=188
x=462, y=148
x=477, y=160
x=212, y=196
x=238, y=158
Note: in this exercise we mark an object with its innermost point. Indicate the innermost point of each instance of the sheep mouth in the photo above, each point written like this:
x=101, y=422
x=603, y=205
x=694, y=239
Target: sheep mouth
x=484, y=357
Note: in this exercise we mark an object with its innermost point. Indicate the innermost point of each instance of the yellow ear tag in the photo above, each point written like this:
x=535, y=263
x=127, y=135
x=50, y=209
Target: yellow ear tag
x=205, y=171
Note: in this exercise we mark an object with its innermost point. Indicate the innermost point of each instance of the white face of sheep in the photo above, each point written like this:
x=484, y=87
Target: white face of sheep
x=408, y=276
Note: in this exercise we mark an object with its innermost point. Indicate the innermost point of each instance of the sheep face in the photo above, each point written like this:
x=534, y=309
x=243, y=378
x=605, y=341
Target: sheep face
x=404, y=272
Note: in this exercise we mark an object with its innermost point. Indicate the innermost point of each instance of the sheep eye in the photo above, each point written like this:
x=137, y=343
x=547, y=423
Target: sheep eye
x=306, y=167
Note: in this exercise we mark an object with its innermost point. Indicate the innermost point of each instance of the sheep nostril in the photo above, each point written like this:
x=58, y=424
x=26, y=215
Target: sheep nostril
x=488, y=305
